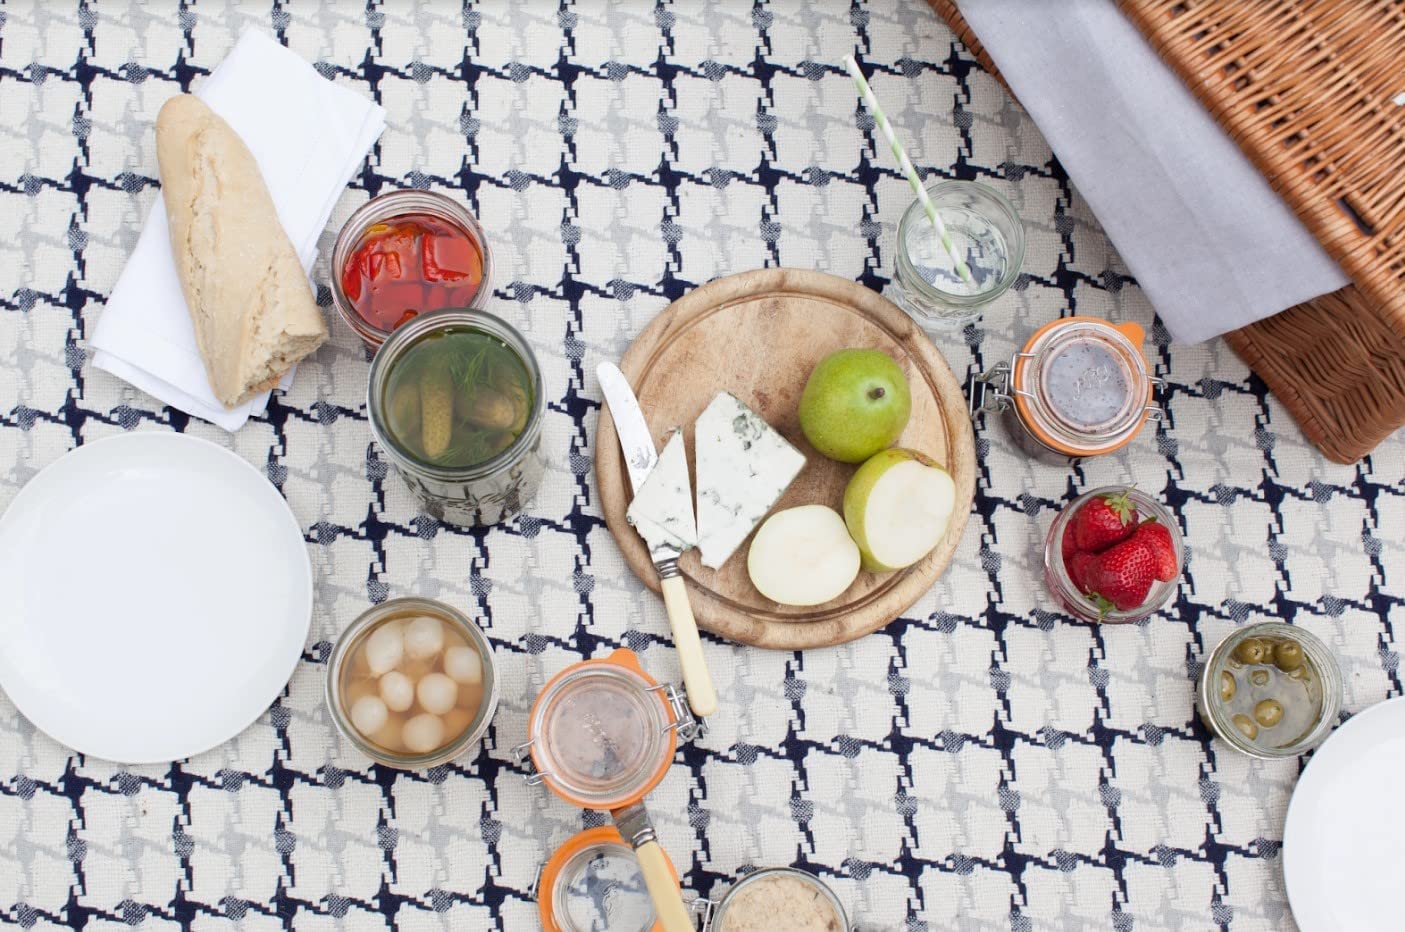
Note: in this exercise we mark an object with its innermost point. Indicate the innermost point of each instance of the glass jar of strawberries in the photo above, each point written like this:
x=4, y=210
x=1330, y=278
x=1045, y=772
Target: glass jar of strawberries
x=1113, y=555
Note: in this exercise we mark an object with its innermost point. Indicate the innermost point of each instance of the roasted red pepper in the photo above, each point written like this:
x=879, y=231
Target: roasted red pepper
x=410, y=264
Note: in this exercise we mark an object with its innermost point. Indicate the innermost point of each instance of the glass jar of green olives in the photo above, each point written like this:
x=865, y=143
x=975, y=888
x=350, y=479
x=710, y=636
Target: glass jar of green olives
x=1270, y=690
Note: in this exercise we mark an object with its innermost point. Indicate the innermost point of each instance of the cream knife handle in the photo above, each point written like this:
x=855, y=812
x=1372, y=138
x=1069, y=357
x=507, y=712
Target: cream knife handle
x=668, y=901
x=702, y=698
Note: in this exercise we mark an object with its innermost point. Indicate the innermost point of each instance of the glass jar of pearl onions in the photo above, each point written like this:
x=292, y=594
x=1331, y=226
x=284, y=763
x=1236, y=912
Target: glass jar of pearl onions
x=412, y=683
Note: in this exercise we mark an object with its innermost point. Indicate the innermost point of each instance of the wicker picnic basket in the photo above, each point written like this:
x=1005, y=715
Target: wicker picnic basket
x=1308, y=88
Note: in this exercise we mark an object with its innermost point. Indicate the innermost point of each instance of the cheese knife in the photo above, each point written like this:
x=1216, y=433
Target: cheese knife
x=662, y=513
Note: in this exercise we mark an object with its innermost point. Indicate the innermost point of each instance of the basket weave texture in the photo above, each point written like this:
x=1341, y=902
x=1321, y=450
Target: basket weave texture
x=1307, y=89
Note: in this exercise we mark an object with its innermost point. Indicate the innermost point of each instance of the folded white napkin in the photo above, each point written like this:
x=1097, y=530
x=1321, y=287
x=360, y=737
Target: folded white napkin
x=1208, y=240
x=309, y=137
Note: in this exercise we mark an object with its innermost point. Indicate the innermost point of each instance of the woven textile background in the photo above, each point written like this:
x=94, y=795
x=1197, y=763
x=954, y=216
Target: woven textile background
x=983, y=763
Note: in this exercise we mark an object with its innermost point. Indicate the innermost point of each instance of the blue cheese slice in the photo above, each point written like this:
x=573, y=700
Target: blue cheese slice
x=662, y=509
x=744, y=467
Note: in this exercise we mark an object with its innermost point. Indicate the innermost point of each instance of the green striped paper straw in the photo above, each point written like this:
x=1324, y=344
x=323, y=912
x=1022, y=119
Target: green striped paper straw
x=905, y=164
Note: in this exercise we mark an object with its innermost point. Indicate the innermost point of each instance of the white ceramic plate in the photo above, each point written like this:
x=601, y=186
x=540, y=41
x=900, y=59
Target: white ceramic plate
x=157, y=596
x=1344, y=841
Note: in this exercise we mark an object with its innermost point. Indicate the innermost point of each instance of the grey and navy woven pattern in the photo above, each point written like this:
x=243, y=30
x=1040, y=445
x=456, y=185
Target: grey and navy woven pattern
x=982, y=763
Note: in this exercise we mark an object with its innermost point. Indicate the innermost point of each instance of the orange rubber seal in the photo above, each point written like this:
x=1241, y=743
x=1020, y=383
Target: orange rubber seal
x=590, y=838
x=621, y=657
x=1129, y=329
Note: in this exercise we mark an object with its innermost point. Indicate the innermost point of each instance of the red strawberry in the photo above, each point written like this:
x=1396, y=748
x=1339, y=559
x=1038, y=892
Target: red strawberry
x=1104, y=521
x=1077, y=567
x=1122, y=575
x=1066, y=545
x=1157, y=536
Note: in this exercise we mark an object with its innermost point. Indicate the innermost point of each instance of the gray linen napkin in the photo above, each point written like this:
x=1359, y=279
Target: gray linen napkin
x=1211, y=244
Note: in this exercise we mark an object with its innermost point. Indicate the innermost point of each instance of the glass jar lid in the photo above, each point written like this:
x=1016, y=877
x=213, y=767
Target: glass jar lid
x=1081, y=385
x=601, y=734
x=593, y=884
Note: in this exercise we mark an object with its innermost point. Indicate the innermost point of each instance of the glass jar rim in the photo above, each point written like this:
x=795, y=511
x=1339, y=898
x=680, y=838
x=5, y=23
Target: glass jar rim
x=720, y=910
x=1028, y=388
x=916, y=212
x=388, y=205
x=651, y=758
x=1316, y=652
x=361, y=628
x=562, y=869
x=402, y=339
x=1161, y=592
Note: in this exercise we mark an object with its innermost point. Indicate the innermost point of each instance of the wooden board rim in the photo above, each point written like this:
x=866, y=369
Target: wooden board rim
x=874, y=609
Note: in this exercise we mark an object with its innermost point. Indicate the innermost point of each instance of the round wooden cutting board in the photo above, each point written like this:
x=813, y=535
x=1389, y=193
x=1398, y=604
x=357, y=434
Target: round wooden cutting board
x=758, y=335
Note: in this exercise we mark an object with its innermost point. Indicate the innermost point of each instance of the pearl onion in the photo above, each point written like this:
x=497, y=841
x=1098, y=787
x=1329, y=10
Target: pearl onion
x=368, y=714
x=463, y=664
x=424, y=637
x=385, y=648
x=423, y=733
x=397, y=691
x=437, y=693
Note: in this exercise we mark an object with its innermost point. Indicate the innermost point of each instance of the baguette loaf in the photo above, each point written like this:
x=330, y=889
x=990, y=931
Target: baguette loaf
x=253, y=309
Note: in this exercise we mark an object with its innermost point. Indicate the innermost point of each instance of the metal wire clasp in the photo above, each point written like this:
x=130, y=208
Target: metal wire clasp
x=522, y=755
x=993, y=390
x=690, y=727
x=1156, y=410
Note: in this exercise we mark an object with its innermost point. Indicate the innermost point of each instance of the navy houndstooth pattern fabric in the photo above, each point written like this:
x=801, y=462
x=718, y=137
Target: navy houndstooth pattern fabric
x=982, y=763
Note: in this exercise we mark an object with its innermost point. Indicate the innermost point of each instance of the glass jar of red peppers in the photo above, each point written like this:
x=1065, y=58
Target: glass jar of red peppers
x=404, y=253
x=1113, y=555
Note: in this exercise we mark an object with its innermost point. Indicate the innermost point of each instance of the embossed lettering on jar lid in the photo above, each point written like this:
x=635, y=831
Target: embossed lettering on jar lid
x=1081, y=385
x=601, y=732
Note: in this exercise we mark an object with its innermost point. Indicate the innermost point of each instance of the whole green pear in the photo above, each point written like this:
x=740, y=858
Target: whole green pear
x=856, y=402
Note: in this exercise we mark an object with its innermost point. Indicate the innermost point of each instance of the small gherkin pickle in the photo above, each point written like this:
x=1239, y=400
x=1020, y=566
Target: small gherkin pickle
x=1250, y=650
x=1227, y=686
x=487, y=408
x=1268, y=712
x=436, y=411
x=405, y=406
x=1246, y=726
x=521, y=406
x=1288, y=656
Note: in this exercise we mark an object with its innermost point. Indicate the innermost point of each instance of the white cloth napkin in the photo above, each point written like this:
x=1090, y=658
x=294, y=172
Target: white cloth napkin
x=309, y=137
x=1209, y=241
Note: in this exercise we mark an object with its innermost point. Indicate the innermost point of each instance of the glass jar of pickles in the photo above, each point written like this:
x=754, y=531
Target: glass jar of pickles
x=406, y=253
x=455, y=401
x=412, y=683
x=1079, y=387
x=1270, y=690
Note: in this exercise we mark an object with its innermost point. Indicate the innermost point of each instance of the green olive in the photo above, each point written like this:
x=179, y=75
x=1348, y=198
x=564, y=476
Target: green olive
x=1268, y=712
x=1227, y=686
x=1288, y=656
x=1246, y=726
x=1250, y=650
x=1259, y=677
x=1302, y=673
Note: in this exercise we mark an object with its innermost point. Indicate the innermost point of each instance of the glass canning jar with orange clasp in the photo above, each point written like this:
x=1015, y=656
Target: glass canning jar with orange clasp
x=1080, y=387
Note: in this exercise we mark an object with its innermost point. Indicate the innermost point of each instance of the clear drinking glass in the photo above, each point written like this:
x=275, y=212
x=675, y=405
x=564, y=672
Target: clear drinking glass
x=988, y=235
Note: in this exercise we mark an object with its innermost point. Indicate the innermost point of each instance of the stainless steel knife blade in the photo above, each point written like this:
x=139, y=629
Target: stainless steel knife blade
x=662, y=512
x=640, y=454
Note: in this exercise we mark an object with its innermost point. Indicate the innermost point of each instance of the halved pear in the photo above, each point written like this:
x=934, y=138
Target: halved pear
x=897, y=507
x=803, y=556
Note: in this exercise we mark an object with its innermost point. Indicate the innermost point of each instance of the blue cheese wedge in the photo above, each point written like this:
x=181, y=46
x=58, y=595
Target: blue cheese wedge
x=662, y=510
x=744, y=467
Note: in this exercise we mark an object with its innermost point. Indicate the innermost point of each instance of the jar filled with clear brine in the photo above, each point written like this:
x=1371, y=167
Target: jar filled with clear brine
x=455, y=401
x=1080, y=387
